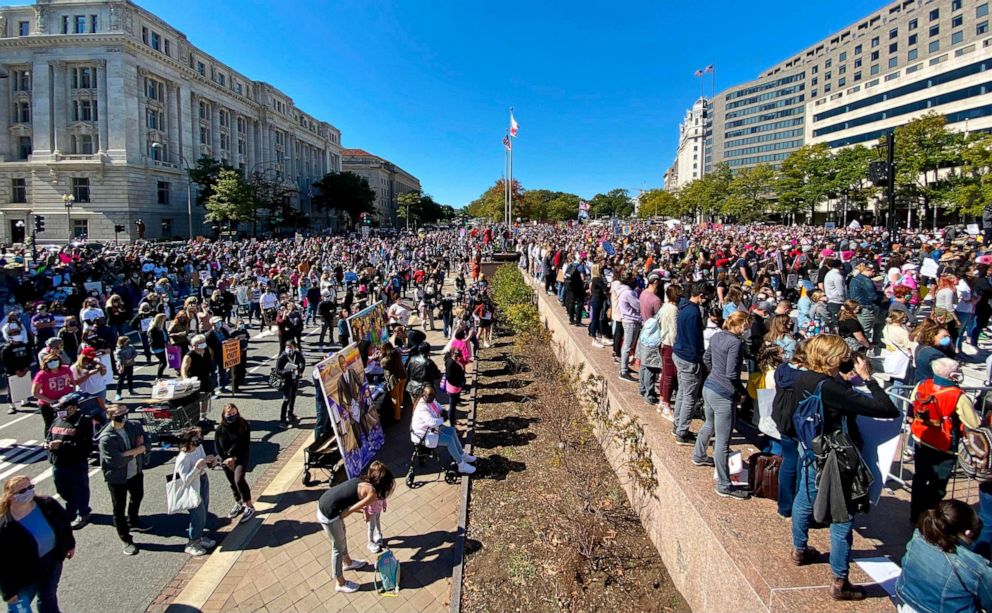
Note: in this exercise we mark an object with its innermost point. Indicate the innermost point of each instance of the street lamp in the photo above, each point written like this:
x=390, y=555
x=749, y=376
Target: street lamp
x=68, y=200
x=189, y=188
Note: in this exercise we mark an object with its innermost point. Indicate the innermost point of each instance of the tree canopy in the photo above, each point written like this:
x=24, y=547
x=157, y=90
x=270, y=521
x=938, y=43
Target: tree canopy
x=344, y=191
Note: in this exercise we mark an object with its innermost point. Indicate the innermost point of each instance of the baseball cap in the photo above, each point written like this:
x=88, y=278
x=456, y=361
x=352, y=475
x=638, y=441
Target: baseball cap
x=89, y=352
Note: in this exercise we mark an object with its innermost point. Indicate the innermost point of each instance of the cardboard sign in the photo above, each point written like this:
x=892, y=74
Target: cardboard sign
x=108, y=375
x=204, y=275
x=928, y=268
x=146, y=323
x=20, y=388
x=972, y=229
x=94, y=286
x=232, y=352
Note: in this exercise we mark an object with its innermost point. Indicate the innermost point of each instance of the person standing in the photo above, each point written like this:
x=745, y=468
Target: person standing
x=834, y=288
x=687, y=353
x=289, y=365
x=69, y=443
x=325, y=310
x=35, y=539
x=198, y=363
x=597, y=302
x=345, y=499
x=122, y=458
x=233, y=444
x=454, y=382
x=16, y=359
x=630, y=317
x=191, y=467
x=124, y=356
x=668, y=321
x=49, y=385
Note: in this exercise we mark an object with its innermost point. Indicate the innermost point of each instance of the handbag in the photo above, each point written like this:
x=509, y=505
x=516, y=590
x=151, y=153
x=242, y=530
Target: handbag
x=895, y=363
x=179, y=497
x=275, y=379
x=173, y=356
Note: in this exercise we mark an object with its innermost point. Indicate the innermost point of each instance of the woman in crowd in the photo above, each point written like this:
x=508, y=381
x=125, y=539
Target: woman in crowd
x=850, y=328
x=667, y=319
x=895, y=335
x=946, y=298
x=289, y=365
x=932, y=342
x=428, y=426
x=71, y=337
x=395, y=375
x=88, y=373
x=780, y=333
x=939, y=572
x=180, y=330
x=964, y=312
x=733, y=302
x=52, y=382
x=721, y=391
x=597, y=302
x=454, y=381
x=157, y=341
x=232, y=442
x=35, y=538
x=191, y=467
x=827, y=357
x=345, y=499
x=783, y=406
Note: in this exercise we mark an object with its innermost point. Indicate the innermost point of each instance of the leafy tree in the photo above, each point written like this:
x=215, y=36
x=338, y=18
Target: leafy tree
x=925, y=147
x=490, y=204
x=749, y=193
x=655, y=202
x=421, y=208
x=971, y=189
x=851, y=184
x=707, y=194
x=205, y=174
x=806, y=178
x=346, y=192
x=614, y=203
x=408, y=205
x=547, y=205
x=231, y=200
x=272, y=196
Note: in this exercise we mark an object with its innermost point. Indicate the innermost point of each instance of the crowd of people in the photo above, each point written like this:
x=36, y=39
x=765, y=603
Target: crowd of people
x=761, y=330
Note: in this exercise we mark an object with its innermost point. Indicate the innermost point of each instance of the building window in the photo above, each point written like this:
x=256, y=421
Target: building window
x=82, y=78
x=22, y=112
x=168, y=47
x=912, y=55
x=982, y=10
x=65, y=24
x=23, y=28
x=224, y=118
x=237, y=88
x=18, y=191
x=857, y=76
x=81, y=189
x=841, y=82
x=957, y=37
x=166, y=228
x=857, y=63
x=956, y=5
x=156, y=153
x=80, y=23
x=84, y=110
x=201, y=68
x=857, y=50
x=144, y=35
x=163, y=193
x=155, y=90
x=894, y=32
x=874, y=69
x=957, y=21
x=24, y=147
x=828, y=63
x=153, y=119
x=934, y=46
x=842, y=57
x=221, y=78
x=94, y=22
x=22, y=81
x=204, y=111
x=912, y=24
x=874, y=56
x=204, y=135
x=874, y=42
x=224, y=141
x=934, y=30
x=82, y=144
x=242, y=146
x=893, y=62
x=982, y=28
x=842, y=70
x=80, y=228
x=156, y=43
x=935, y=15
x=912, y=39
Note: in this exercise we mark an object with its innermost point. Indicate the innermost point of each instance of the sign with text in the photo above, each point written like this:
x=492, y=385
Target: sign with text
x=232, y=352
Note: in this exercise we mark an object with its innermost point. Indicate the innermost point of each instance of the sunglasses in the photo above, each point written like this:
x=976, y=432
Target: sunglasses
x=26, y=489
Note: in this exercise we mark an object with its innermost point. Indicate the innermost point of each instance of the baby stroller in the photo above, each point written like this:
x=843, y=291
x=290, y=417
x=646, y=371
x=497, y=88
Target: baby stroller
x=422, y=451
x=322, y=454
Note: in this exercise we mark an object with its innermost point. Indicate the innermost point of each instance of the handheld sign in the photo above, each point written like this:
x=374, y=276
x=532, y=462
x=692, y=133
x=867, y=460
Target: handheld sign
x=232, y=352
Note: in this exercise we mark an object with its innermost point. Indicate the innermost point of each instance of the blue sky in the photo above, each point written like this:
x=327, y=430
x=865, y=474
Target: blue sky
x=598, y=87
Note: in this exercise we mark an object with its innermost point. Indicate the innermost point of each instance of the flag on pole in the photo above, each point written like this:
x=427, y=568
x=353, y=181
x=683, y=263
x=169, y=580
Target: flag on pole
x=507, y=143
x=514, y=127
x=709, y=68
x=698, y=73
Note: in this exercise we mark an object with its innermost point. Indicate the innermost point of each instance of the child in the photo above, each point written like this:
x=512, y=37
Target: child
x=372, y=513
x=343, y=328
x=124, y=355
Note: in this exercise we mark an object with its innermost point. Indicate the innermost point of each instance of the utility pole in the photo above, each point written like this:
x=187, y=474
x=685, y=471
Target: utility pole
x=890, y=184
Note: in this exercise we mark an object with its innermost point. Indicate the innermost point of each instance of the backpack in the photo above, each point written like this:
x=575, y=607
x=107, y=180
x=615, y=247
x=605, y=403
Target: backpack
x=387, y=574
x=975, y=453
x=650, y=333
x=930, y=424
x=808, y=417
x=762, y=475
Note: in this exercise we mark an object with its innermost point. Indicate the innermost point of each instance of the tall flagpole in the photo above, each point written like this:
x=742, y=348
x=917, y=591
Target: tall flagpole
x=713, y=83
x=509, y=188
x=506, y=167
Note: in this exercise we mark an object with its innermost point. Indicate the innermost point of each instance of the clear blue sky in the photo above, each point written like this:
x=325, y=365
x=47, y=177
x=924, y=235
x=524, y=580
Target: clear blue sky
x=598, y=87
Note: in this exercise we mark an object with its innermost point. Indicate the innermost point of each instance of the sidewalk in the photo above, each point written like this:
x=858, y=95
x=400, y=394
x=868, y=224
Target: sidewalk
x=284, y=565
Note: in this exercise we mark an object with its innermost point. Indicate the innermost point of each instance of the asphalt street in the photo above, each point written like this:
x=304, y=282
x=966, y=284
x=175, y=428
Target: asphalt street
x=100, y=577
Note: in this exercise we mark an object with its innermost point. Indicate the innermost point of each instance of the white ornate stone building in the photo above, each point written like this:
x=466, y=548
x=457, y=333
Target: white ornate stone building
x=386, y=179
x=106, y=102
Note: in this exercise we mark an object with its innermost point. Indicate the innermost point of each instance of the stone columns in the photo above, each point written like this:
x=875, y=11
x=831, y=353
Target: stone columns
x=215, y=150
x=60, y=96
x=7, y=152
x=172, y=123
x=103, y=111
x=41, y=119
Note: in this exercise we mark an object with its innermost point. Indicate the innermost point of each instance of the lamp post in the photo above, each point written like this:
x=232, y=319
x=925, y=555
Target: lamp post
x=68, y=200
x=189, y=189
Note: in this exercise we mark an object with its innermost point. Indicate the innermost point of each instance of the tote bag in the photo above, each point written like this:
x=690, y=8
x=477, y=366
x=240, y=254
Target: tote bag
x=895, y=363
x=179, y=497
x=174, y=356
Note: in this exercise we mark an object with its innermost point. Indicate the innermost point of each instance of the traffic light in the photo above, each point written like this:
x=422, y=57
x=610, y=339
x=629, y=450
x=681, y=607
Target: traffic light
x=367, y=219
x=118, y=228
x=39, y=223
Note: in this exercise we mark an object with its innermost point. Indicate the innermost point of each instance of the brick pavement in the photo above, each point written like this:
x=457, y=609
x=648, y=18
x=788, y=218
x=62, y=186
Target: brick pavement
x=284, y=567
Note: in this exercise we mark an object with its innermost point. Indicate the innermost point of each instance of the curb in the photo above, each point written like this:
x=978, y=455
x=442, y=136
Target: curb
x=455, y=606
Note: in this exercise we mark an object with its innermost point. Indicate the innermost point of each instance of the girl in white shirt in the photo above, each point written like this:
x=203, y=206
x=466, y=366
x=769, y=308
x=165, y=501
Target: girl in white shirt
x=191, y=467
x=427, y=425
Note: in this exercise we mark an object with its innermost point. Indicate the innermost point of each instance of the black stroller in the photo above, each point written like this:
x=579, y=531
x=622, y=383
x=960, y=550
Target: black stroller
x=421, y=453
x=322, y=454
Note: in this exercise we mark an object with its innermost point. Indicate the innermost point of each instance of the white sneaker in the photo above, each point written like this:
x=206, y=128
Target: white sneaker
x=207, y=543
x=248, y=514
x=374, y=547
x=348, y=587
x=465, y=468
x=668, y=414
x=195, y=550
x=469, y=458
x=235, y=511
x=355, y=564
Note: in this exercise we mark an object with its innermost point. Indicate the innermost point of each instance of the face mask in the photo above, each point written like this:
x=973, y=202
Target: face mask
x=201, y=347
x=62, y=414
x=196, y=442
x=956, y=377
x=52, y=365
x=119, y=418
x=231, y=419
x=218, y=326
x=945, y=342
x=24, y=497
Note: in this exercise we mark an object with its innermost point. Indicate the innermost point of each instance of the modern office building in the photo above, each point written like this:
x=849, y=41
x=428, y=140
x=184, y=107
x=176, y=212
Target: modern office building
x=385, y=178
x=108, y=104
x=689, y=157
x=906, y=59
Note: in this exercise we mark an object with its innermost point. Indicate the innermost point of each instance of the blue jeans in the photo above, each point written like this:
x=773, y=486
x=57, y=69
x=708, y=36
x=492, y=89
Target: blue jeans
x=595, y=306
x=198, y=516
x=787, y=475
x=841, y=534
x=719, y=413
x=447, y=436
x=964, y=331
x=983, y=544
x=689, y=376
x=72, y=482
x=631, y=330
x=46, y=590
x=320, y=417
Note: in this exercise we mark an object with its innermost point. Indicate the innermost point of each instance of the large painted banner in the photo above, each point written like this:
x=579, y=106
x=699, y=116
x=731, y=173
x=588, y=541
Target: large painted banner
x=370, y=324
x=349, y=404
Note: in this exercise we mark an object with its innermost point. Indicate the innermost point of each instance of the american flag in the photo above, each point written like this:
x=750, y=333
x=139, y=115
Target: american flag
x=709, y=68
x=698, y=73
x=507, y=143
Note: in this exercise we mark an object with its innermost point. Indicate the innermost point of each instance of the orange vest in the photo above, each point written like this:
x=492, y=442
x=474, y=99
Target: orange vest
x=934, y=416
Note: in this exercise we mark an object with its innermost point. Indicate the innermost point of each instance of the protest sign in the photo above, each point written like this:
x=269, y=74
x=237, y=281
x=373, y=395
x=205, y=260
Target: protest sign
x=370, y=324
x=231, y=349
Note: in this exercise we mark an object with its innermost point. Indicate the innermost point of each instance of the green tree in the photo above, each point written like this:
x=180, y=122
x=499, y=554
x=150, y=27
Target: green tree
x=707, y=194
x=490, y=204
x=231, y=199
x=614, y=203
x=204, y=174
x=655, y=202
x=851, y=184
x=806, y=178
x=971, y=189
x=408, y=206
x=345, y=192
x=925, y=147
x=272, y=202
x=749, y=193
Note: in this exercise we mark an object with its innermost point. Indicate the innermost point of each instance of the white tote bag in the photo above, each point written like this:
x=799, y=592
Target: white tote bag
x=895, y=363
x=179, y=497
